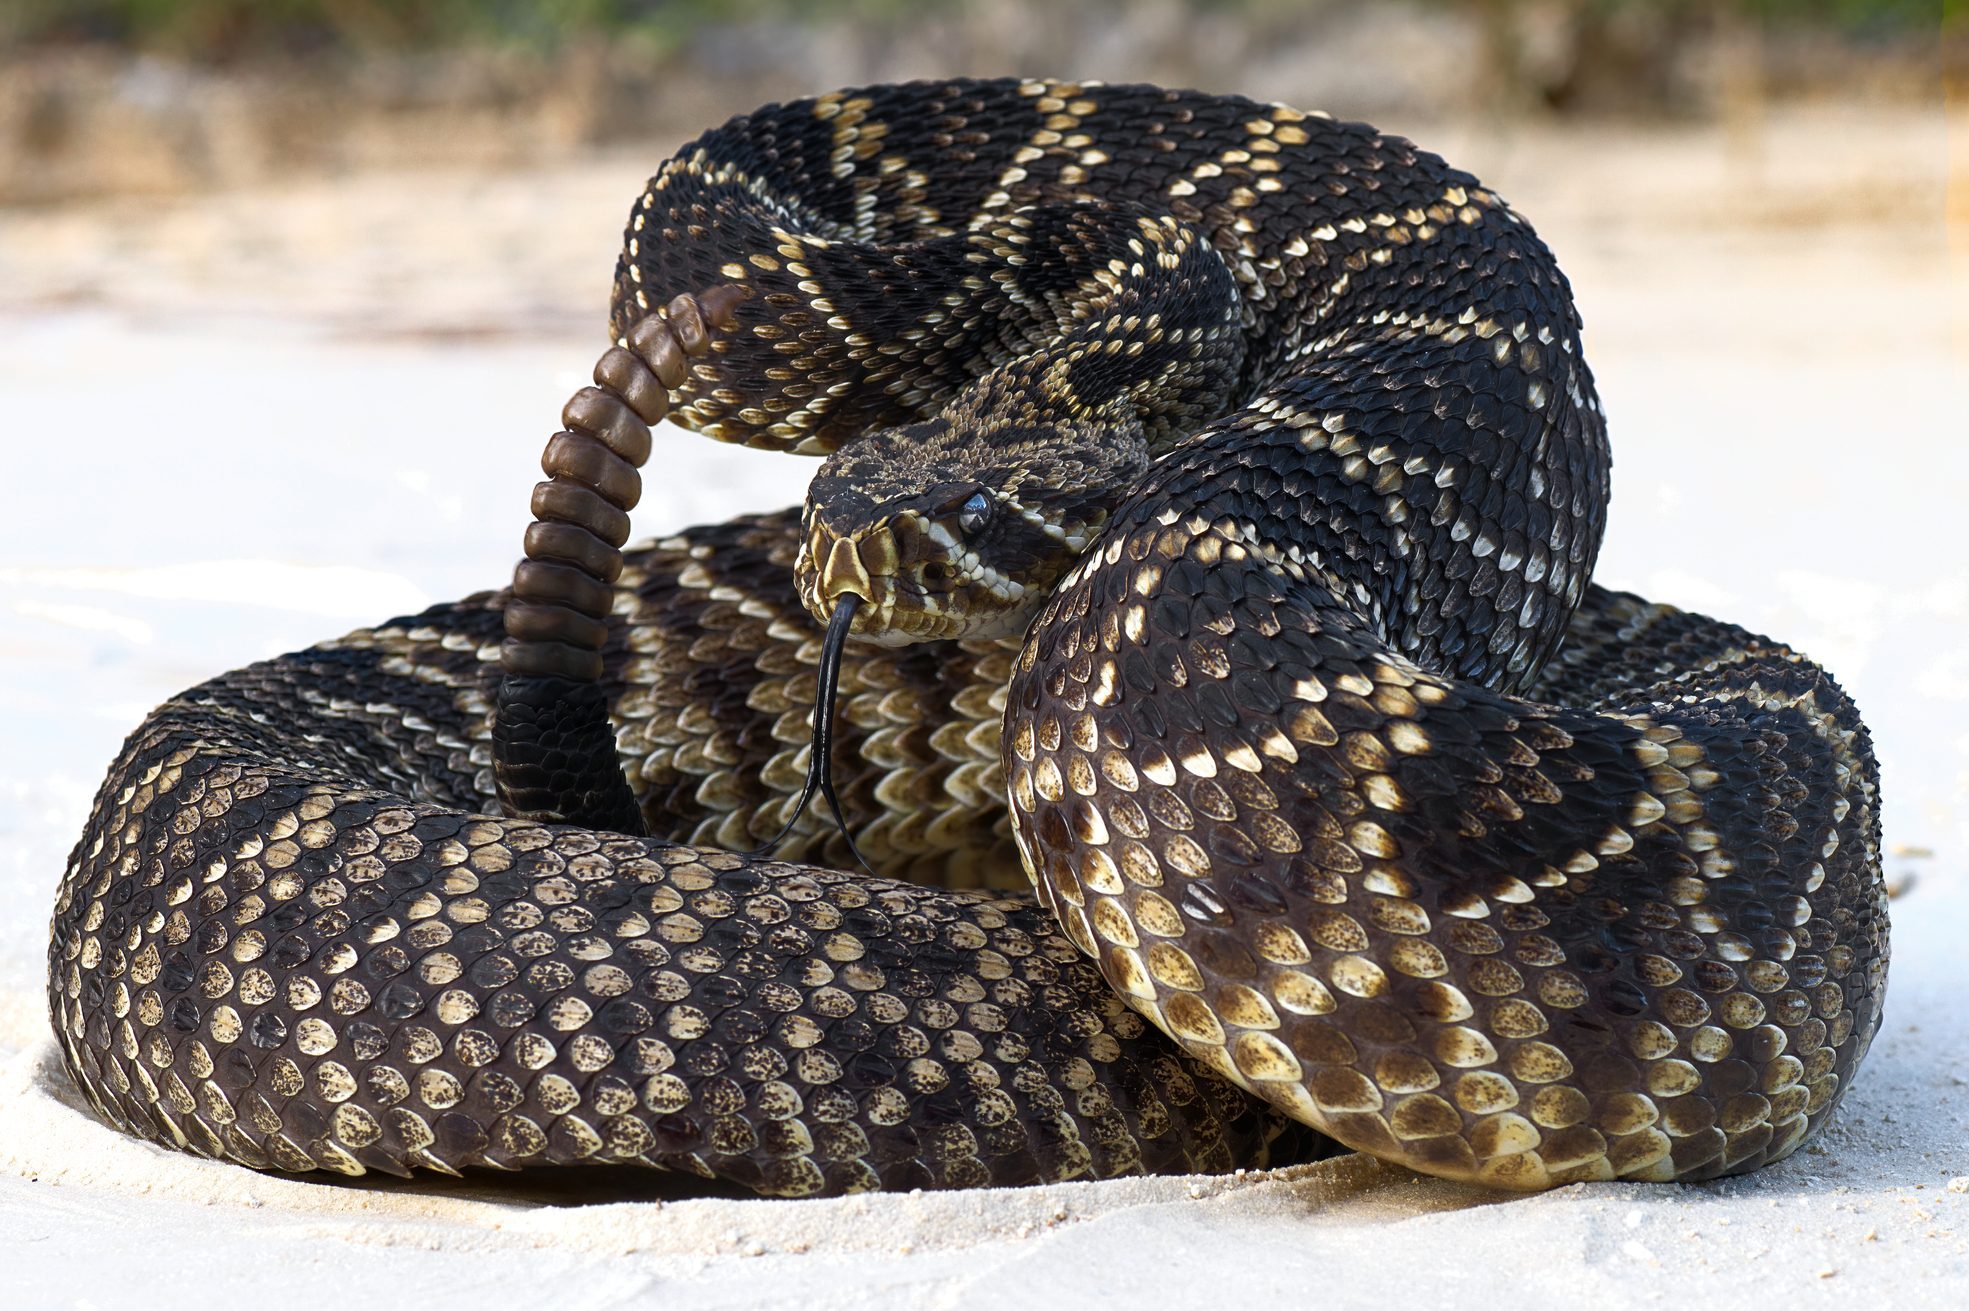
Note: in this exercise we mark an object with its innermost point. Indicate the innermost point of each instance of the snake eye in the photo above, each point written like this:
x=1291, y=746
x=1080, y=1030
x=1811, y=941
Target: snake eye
x=974, y=514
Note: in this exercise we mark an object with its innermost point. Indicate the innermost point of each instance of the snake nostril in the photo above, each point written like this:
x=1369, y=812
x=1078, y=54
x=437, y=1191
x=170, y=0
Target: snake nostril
x=878, y=554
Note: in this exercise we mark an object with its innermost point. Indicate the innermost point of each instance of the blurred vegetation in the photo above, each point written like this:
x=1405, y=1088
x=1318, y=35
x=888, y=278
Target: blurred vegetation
x=114, y=97
x=230, y=31
x=220, y=31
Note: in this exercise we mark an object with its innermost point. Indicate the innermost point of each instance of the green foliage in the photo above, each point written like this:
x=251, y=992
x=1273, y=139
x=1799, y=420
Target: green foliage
x=1856, y=15
x=221, y=30
x=224, y=29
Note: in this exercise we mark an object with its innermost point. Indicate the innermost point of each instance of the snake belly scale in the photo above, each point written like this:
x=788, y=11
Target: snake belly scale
x=1214, y=489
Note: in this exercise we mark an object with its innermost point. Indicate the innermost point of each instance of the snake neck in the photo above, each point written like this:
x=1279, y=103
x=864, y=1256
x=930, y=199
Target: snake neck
x=1144, y=322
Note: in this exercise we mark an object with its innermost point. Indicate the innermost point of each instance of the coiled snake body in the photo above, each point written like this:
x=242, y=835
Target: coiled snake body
x=1216, y=488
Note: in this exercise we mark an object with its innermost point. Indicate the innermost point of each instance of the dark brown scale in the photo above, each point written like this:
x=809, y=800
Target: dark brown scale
x=1265, y=747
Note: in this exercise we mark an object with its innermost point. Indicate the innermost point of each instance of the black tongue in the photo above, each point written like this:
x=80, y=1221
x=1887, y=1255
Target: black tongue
x=820, y=767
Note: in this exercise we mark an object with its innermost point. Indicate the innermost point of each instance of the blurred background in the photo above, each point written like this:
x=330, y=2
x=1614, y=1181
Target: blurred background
x=291, y=292
x=162, y=96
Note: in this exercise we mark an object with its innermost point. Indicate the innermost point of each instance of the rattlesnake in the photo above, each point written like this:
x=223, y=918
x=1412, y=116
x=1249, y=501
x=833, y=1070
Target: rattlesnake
x=1215, y=489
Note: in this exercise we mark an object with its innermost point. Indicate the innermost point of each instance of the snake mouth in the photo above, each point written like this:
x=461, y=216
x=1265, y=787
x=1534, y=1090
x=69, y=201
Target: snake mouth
x=916, y=582
x=820, y=761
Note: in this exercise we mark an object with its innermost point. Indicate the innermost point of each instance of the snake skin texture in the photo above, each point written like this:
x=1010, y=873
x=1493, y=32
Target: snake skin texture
x=1351, y=803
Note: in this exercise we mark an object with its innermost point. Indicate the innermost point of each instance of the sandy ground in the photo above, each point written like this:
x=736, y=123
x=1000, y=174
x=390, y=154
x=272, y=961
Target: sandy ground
x=237, y=424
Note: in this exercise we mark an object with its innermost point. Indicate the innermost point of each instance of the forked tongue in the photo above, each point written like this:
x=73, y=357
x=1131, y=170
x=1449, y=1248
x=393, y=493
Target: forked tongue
x=820, y=769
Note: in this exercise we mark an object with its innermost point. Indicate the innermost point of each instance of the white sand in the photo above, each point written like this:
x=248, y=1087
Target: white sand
x=1768, y=312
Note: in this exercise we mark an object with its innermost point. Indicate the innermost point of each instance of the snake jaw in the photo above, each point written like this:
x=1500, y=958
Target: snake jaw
x=917, y=580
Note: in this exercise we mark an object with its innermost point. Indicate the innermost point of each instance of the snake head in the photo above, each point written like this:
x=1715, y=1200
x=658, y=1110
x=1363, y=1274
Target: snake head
x=948, y=529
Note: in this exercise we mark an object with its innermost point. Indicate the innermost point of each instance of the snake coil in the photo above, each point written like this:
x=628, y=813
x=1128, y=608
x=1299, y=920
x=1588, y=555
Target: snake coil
x=1225, y=483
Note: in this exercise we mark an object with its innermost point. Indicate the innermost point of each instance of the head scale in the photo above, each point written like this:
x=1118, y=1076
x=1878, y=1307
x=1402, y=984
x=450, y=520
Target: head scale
x=961, y=526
